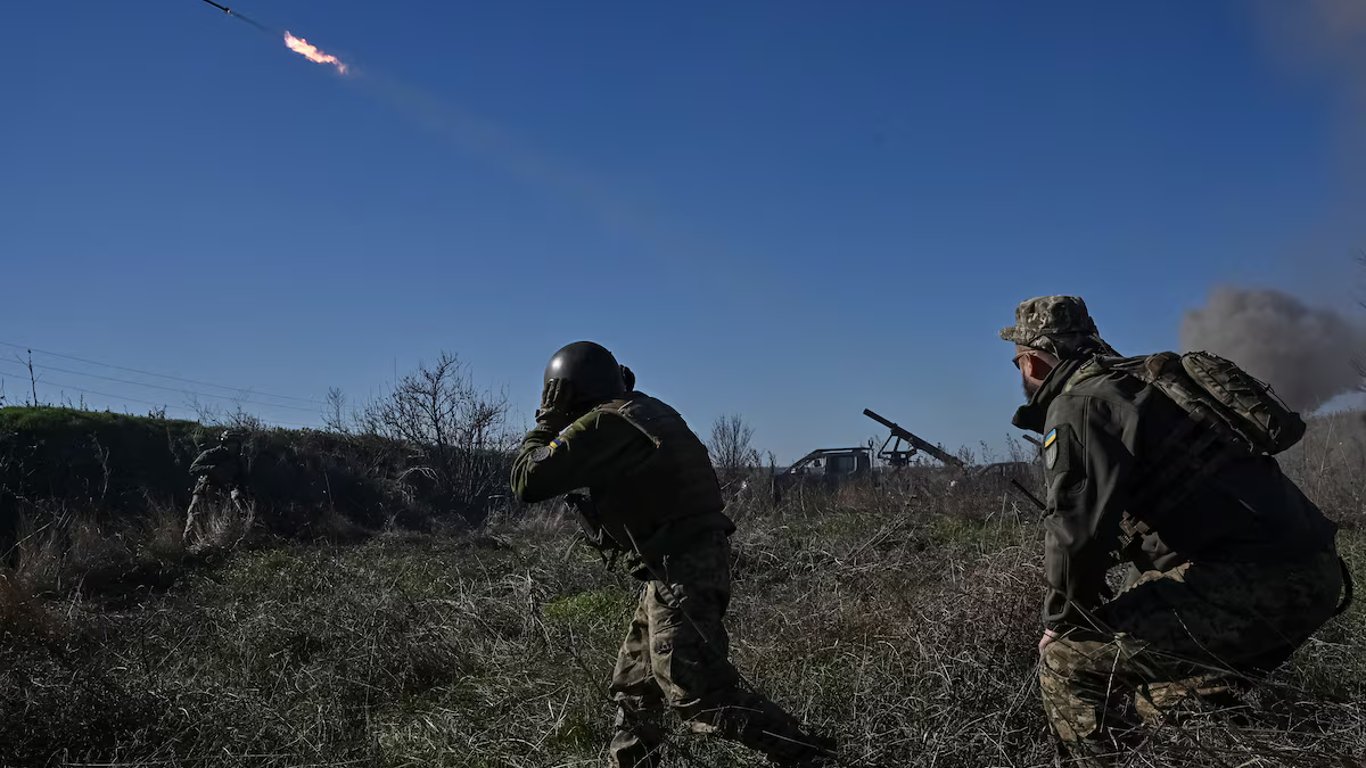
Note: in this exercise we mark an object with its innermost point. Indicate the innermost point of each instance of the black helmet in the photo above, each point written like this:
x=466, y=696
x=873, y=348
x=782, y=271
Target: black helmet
x=586, y=373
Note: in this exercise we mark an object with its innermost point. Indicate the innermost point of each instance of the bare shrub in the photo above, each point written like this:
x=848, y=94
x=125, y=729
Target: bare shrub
x=732, y=452
x=334, y=417
x=458, y=432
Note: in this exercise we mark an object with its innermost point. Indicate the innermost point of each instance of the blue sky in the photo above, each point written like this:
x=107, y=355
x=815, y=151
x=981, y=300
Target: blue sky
x=789, y=210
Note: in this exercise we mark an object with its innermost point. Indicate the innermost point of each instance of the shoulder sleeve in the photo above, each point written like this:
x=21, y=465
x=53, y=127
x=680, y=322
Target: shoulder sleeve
x=204, y=460
x=588, y=453
x=1087, y=467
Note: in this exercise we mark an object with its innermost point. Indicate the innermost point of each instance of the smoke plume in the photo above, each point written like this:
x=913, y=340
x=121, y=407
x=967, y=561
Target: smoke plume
x=1304, y=353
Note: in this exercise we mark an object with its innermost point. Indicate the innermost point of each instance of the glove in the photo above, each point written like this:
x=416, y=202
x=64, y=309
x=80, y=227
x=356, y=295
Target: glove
x=556, y=396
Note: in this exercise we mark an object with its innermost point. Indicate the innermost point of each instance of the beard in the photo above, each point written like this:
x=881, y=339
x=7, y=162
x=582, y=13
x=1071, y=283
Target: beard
x=1030, y=388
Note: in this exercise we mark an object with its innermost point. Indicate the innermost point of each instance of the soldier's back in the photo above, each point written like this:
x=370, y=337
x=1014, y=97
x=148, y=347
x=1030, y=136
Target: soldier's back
x=1244, y=509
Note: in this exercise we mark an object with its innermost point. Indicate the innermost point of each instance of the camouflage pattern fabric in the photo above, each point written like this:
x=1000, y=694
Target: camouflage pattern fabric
x=1057, y=324
x=217, y=470
x=1180, y=636
x=675, y=656
x=220, y=465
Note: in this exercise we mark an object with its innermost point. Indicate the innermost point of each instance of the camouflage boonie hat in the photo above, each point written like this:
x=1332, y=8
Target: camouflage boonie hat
x=1057, y=324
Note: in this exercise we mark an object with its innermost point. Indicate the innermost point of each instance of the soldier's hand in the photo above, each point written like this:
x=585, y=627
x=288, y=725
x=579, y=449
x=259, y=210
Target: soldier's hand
x=1049, y=636
x=556, y=396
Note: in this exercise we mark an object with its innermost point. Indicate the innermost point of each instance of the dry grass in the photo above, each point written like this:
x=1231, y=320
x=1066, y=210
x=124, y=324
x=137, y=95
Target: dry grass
x=900, y=618
x=880, y=615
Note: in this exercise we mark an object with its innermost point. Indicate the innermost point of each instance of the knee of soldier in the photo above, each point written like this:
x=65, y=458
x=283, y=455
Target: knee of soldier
x=1052, y=674
x=689, y=675
x=1058, y=660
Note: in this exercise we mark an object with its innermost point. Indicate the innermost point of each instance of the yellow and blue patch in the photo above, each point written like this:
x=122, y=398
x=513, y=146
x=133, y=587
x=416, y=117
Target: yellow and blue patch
x=546, y=451
x=1050, y=448
x=1050, y=438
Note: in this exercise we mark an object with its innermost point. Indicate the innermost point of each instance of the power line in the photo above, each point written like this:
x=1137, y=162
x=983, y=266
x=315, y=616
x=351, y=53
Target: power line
x=160, y=375
x=125, y=399
x=45, y=367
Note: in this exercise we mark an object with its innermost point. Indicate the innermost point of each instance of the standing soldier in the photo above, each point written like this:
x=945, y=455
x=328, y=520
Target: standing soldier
x=1164, y=462
x=653, y=496
x=216, y=470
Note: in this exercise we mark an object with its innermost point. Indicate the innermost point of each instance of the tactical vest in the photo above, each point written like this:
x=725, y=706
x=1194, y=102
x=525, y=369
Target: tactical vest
x=644, y=511
x=1230, y=415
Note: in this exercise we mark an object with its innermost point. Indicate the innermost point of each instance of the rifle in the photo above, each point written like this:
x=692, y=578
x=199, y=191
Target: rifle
x=899, y=456
x=597, y=538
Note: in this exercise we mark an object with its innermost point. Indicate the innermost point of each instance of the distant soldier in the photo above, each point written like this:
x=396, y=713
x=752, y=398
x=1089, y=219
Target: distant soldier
x=218, y=470
x=1162, y=462
x=653, y=497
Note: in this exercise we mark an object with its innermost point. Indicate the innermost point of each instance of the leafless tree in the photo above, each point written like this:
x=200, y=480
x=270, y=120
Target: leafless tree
x=336, y=406
x=205, y=413
x=731, y=451
x=458, y=431
x=239, y=418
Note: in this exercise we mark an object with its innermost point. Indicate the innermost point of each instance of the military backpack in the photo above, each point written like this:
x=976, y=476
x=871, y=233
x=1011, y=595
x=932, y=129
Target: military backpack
x=1232, y=415
x=1219, y=395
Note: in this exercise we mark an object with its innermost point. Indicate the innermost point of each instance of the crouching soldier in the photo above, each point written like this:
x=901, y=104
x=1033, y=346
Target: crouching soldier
x=1164, y=462
x=654, y=497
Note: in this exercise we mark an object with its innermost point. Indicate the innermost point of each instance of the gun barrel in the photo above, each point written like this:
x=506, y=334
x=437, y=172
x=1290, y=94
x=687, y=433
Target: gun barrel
x=915, y=441
x=870, y=414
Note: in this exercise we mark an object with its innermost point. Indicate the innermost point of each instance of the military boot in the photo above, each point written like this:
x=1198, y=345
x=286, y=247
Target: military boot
x=638, y=739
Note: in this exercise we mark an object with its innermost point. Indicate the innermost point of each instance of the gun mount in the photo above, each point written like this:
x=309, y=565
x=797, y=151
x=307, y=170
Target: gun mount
x=893, y=453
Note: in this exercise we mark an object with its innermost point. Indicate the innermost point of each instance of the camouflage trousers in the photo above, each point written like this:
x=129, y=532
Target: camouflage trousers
x=205, y=491
x=676, y=657
x=1183, y=635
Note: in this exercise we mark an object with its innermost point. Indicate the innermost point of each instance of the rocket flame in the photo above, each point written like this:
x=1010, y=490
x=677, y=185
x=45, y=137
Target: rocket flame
x=311, y=52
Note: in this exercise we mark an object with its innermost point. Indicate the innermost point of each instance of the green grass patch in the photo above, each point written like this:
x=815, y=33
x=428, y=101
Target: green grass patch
x=594, y=607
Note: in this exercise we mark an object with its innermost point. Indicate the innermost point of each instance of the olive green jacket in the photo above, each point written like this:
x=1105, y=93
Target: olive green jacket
x=1100, y=439
x=649, y=477
x=222, y=466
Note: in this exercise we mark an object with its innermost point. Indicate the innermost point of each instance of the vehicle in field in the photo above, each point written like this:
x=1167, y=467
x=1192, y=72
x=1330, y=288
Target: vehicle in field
x=830, y=467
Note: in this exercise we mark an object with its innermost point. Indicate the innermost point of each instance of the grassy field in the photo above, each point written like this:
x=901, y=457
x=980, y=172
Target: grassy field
x=904, y=624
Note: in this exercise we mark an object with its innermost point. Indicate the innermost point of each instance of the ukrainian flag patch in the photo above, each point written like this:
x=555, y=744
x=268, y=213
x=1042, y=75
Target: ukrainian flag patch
x=556, y=443
x=1050, y=448
x=1050, y=438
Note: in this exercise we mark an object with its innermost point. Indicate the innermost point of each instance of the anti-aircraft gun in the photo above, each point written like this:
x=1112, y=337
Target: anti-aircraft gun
x=895, y=454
